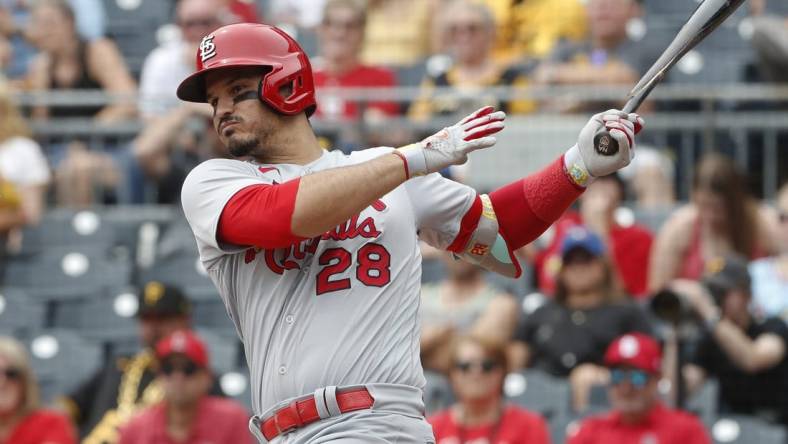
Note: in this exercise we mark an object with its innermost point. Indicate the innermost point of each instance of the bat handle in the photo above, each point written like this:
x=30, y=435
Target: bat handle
x=604, y=143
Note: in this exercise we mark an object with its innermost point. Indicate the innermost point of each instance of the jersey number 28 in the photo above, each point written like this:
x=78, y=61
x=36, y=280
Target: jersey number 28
x=372, y=267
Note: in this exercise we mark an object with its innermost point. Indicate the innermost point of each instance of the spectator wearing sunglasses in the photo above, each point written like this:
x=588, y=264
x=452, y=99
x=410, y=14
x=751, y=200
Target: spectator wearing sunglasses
x=568, y=335
x=341, y=35
x=22, y=421
x=480, y=414
x=187, y=413
x=466, y=32
x=770, y=274
x=638, y=416
x=126, y=384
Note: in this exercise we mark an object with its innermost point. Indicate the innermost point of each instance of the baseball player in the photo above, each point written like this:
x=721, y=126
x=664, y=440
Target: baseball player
x=315, y=253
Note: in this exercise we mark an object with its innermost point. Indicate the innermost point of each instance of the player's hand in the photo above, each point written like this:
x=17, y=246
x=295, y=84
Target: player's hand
x=583, y=162
x=450, y=146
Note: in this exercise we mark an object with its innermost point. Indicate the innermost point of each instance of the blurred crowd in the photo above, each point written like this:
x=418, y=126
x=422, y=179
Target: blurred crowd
x=649, y=313
x=455, y=52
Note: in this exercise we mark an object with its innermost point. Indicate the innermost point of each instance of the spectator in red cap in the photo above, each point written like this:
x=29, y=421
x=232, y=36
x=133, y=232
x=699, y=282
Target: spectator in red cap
x=638, y=416
x=481, y=414
x=187, y=414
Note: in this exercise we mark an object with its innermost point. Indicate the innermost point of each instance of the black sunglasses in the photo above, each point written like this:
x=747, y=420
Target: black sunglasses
x=187, y=368
x=12, y=374
x=486, y=365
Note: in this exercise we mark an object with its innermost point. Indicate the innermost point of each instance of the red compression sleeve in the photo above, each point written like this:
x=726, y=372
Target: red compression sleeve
x=526, y=208
x=260, y=216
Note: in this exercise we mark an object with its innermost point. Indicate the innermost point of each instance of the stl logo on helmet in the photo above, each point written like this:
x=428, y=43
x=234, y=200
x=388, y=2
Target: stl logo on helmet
x=207, y=48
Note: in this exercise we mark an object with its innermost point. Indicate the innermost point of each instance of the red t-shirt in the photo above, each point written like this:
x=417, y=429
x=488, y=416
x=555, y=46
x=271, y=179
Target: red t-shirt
x=218, y=421
x=43, y=426
x=662, y=426
x=630, y=248
x=361, y=76
x=517, y=426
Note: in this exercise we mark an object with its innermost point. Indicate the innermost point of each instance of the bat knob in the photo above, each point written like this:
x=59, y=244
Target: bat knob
x=605, y=144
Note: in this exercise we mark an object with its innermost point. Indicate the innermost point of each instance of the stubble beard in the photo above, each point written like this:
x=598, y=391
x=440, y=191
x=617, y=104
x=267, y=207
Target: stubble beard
x=242, y=147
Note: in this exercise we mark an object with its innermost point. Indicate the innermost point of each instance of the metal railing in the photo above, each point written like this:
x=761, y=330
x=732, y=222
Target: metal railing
x=750, y=121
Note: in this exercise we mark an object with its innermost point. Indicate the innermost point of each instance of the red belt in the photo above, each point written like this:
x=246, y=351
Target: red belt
x=301, y=413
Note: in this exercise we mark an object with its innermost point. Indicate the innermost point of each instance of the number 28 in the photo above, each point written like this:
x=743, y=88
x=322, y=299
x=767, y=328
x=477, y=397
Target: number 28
x=372, y=268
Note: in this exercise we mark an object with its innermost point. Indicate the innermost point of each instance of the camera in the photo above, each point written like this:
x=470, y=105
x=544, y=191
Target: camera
x=671, y=307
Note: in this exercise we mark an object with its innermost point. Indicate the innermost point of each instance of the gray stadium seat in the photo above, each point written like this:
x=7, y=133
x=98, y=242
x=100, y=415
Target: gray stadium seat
x=134, y=29
x=670, y=8
x=210, y=313
x=62, y=359
x=223, y=352
x=237, y=385
x=67, y=228
x=562, y=426
x=106, y=316
x=539, y=392
x=68, y=270
x=652, y=218
x=742, y=429
x=182, y=270
x=704, y=403
x=438, y=394
x=20, y=314
x=717, y=66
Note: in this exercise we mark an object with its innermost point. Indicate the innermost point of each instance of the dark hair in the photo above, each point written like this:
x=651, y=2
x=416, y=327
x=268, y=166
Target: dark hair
x=622, y=186
x=719, y=175
x=611, y=290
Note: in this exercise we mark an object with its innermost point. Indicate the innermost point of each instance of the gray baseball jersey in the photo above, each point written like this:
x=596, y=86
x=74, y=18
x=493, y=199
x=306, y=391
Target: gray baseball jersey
x=337, y=310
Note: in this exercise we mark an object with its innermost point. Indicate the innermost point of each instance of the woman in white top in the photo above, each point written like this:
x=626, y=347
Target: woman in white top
x=24, y=173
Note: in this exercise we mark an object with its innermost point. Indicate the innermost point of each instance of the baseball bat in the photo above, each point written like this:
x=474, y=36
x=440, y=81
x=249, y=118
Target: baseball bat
x=706, y=18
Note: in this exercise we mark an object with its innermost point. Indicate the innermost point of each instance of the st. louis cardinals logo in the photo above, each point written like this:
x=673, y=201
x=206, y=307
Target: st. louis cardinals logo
x=207, y=48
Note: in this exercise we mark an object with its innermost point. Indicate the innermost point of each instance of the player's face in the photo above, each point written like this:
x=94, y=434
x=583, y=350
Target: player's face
x=475, y=375
x=184, y=382
x=242, y=121
x=11, y=387
x=632, y=391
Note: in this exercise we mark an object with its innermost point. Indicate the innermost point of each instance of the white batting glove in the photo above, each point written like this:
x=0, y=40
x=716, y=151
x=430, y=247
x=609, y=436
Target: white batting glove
x=582, y=161
x=450, y=146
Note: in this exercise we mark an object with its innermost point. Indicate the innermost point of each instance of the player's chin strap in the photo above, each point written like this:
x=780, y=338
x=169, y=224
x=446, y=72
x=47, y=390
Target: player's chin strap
x=486, y=248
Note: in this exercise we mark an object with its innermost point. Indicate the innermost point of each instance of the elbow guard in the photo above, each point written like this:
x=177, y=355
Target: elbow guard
x=487, y=248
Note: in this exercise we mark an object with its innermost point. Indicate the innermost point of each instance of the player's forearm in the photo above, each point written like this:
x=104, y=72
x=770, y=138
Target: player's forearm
x=328, y=198
x=527, y=207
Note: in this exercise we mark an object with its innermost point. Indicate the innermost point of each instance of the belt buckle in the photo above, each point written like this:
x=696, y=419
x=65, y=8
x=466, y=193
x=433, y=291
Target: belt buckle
x=292, y=408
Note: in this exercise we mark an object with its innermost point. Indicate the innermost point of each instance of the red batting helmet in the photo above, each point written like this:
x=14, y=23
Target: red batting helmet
x=252, y=44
